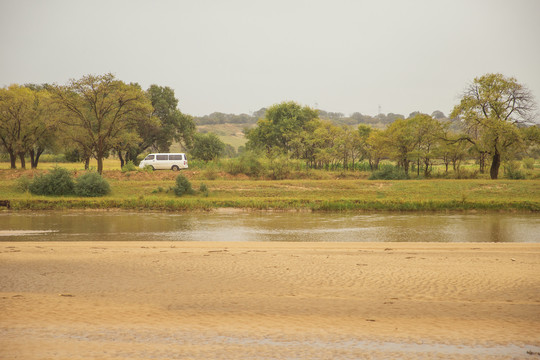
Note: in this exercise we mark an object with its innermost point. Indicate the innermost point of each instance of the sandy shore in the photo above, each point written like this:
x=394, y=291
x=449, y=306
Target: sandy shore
x=171, y=300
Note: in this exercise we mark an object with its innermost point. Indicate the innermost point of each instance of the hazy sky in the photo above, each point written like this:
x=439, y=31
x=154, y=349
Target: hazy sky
x=240, y=55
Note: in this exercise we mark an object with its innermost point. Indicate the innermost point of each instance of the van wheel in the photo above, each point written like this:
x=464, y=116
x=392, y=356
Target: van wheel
x=151, y=167
x=175, y=168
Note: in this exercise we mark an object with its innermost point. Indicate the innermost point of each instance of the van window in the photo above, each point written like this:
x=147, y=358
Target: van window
x=162, y=157
x=149, y=157
x=175, y=157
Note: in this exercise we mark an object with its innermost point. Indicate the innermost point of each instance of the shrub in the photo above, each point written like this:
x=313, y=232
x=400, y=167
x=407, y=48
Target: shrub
x=280, y=167
x=248, y=163
x=466, y=174
x=512, y=170
x=57, y=182
x=72, y=155
x=388, y=172
x=203, y=189
x=362, y=166
x=528, y=163
x=210, y=174
x=129, y=166
x=23, y=183
x=92, y=184
x=183, y=186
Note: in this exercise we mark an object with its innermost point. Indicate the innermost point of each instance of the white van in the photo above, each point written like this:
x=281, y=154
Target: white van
x=174, y=162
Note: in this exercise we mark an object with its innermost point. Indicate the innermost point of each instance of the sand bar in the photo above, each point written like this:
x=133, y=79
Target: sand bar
x=223, y=300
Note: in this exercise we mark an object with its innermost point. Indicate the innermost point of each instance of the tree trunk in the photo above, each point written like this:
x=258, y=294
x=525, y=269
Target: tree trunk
x=495, y=164
x=121, y=159
x=13, y=159
x=31, y=152
x=482, y=161
x=23, y=160
x=34, y=157
x=100, y=164
x=87, y=163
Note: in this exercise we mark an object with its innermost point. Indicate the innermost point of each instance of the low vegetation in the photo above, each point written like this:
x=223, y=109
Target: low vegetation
x=91, y=184
x=307, y=189
x=183, y=186
x=59, y=182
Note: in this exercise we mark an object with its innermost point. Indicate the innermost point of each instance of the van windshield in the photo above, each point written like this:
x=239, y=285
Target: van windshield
x=149, y=157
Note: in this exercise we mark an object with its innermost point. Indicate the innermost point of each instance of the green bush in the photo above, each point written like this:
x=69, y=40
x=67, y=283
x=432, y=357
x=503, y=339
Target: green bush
x=388, y=172
x=528, y=163
x=248, y=163
x=129, y=166
x=203, y=189
x=210, y=173
x=57, y=182
x=280, y=167
x=91, y=184
x=53, y=158
x=183, y=186
x=362, y=166
x=512, y=170
x=23, y=183
x=463, y=173
x=72, y=155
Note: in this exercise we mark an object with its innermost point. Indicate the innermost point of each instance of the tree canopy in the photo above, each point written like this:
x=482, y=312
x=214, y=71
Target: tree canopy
x=168, y=125
x=27, y=122
x=281, y=124
x=101, y=111
x=207, y=147
x=490, y=110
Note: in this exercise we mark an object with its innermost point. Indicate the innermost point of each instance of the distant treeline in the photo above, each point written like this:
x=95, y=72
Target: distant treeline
x=380, y=120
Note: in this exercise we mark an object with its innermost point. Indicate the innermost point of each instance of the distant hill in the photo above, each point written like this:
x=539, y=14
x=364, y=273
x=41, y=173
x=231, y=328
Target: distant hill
x=232, y=134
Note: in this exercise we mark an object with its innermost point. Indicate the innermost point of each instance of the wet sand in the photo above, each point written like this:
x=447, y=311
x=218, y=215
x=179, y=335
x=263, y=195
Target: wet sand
x=222, y=300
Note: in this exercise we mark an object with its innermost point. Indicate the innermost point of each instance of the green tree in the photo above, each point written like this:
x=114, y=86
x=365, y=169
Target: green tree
x=207, y=147
x=45, y=134
x=401, y=141
x=26, y=123
x=493, y=106
x=428, y=134
x=377, y=148
x=168, y=125
x=452, y=150
x=281, y=125
x=175, y=126
x=100, y=111
x=303, y=144
x=328, y=140
x=531, y=135
x=361, y=143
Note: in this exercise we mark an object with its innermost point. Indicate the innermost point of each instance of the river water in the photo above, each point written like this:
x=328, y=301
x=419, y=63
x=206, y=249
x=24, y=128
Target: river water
x=269, y=226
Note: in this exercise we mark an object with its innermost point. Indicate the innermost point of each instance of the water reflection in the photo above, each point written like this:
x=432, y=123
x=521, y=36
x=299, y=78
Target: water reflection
x=269, y=226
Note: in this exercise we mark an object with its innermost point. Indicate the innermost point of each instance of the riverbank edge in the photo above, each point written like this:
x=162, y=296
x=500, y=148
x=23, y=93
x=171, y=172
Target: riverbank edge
x=190, y=204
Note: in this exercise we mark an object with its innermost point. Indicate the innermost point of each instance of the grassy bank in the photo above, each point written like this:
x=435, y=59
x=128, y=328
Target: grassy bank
x=151, y=191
